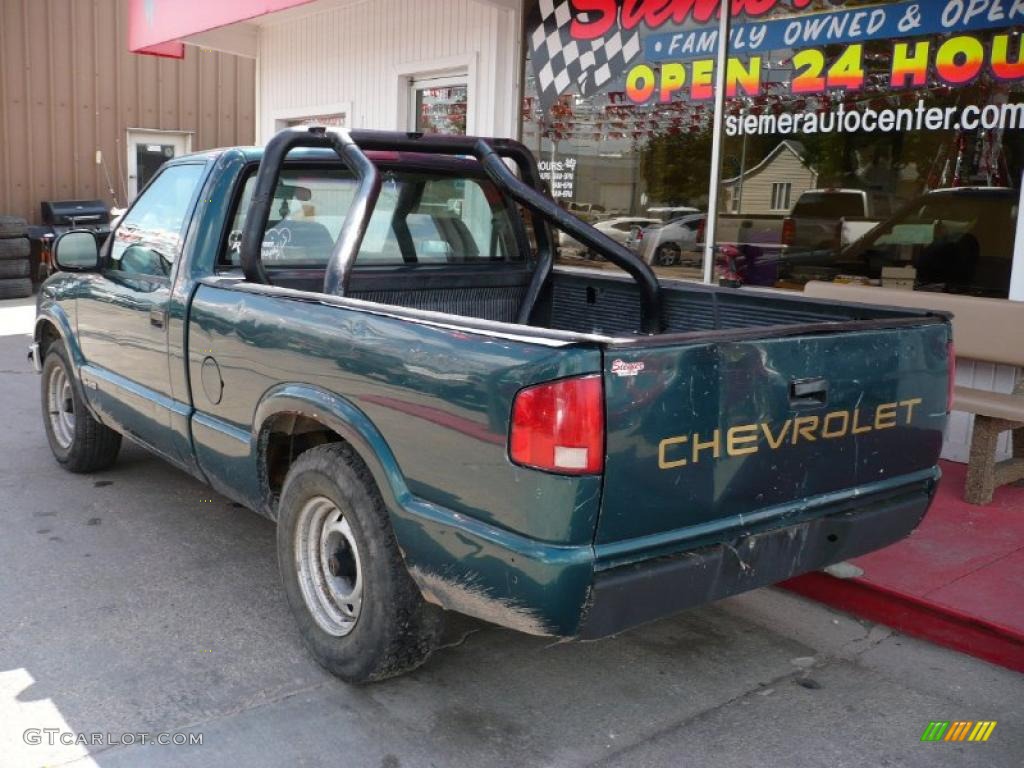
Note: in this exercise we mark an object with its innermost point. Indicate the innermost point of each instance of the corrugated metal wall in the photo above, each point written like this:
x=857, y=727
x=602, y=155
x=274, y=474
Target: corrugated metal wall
x=358, y=54
x=69, y=86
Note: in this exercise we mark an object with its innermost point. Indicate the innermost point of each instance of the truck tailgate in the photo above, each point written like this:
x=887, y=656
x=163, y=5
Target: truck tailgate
x=710, y=438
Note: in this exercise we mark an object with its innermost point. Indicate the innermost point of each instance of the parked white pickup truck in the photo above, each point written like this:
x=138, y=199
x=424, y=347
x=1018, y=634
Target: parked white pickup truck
x=831, y=219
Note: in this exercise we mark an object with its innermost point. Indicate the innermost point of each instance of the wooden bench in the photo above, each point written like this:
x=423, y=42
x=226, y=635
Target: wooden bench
x=986, y=330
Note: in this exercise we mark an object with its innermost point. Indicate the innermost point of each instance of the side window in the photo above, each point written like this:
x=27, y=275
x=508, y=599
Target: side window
x=148, y=238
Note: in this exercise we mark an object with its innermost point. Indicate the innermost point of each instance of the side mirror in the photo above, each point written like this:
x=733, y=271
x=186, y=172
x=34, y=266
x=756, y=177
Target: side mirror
x=77, y=251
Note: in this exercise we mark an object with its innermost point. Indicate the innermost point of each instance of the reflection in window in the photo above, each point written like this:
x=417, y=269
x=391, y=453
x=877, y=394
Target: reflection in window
x=781, y=190
x=629, y=170
x=957, y=241
x=147, y=240
x=838, y=115
x=902, y=187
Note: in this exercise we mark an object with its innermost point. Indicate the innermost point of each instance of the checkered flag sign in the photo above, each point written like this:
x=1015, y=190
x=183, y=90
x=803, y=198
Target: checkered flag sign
x=559, y=61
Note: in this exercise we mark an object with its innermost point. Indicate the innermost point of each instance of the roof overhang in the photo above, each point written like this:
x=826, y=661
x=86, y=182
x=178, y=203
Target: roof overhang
x=164, y=27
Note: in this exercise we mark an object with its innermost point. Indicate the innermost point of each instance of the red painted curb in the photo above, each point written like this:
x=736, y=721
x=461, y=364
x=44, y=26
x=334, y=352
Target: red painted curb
x=916, y=617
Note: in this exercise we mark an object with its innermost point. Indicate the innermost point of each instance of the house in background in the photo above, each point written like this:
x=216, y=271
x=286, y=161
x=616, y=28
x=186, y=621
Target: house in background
x=771, y=187
x=83, y=118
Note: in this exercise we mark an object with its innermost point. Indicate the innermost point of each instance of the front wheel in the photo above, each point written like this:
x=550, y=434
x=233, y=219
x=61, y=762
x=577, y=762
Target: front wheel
x=79, y=442
x=360, y=613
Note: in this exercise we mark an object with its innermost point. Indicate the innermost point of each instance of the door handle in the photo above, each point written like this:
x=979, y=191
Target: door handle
x=808, y=392
x=157, y=316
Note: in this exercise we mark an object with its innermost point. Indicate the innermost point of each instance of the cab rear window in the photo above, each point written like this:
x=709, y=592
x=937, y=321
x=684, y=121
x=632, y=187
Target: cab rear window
x=420, y=218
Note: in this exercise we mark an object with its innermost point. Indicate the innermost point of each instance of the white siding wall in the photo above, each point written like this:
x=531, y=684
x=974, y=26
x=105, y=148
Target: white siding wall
x=363, y=54
x=757, y=188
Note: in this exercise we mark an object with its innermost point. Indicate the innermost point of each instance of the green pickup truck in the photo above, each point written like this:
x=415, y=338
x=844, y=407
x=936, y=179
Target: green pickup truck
x=363, y=337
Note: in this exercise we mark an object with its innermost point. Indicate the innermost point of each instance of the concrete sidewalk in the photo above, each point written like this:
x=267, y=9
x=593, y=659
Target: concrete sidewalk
x=137, y=600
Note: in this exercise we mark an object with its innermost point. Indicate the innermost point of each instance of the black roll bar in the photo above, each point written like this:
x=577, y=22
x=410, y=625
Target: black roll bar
x=356, y=220
x=650, y=289
x=527, y=191
x=397, y=141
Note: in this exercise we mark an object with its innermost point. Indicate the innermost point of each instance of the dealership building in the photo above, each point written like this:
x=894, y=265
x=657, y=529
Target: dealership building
x=868, y=141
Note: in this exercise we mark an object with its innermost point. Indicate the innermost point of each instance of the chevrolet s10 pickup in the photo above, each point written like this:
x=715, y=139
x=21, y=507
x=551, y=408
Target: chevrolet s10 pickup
x=363, y=337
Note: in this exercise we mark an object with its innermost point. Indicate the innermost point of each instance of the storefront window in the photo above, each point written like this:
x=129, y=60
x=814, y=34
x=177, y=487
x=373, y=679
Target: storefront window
x=899, y=130
x=638, y=171
x=863, y=141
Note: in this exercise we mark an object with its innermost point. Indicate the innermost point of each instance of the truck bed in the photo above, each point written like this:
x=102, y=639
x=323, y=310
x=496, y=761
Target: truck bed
x=596, y=302
x=606, y=304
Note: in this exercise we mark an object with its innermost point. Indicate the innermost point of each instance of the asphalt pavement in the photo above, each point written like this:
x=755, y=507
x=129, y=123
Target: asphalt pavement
x=136, y=602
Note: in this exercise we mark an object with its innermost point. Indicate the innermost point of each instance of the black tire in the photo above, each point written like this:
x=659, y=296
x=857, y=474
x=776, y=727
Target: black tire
x=15, y=288
x=395, y=630
x=14, y=268
x=16, y=248
x=667, y=255
x=92, y=446
x=12, y=226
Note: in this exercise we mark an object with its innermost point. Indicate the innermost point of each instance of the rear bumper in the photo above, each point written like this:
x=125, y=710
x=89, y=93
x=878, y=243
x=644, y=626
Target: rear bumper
x=626, y=596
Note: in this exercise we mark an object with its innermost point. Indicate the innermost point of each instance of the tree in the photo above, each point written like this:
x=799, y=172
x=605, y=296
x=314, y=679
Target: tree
x=676, y=167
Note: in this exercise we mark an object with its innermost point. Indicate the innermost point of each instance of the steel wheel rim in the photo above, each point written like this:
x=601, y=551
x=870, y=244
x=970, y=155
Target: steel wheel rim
x=60, y=403
x=327, y=560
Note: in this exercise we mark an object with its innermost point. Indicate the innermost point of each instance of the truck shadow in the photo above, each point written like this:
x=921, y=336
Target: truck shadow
x=159, y=609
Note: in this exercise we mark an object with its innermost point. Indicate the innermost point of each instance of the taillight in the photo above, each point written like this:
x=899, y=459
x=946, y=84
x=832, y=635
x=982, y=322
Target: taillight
x=559, y=426
x=788, y=231
x=701, y=226
x=951, y=386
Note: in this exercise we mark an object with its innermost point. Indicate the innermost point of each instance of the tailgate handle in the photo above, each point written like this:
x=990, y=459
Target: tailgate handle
x=808, y=392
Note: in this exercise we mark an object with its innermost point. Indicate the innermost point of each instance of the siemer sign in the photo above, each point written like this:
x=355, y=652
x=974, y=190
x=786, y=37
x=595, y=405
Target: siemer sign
x=658, y=51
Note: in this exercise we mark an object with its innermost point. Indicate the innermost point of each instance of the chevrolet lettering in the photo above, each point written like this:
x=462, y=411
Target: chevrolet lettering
x=745, y=439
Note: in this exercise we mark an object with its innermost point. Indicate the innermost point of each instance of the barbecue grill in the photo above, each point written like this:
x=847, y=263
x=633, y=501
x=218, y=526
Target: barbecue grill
x=60, y=216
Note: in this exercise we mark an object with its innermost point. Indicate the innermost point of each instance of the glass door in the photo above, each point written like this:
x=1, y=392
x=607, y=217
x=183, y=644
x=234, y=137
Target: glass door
x=148, y=151
x=439, y=104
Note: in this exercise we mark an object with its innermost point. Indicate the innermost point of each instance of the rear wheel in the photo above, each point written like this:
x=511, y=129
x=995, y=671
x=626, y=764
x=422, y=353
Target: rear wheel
x=358, y=610
x=79, y=442
x=667, y=255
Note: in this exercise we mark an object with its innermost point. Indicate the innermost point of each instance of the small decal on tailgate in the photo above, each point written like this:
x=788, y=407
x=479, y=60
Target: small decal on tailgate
x=622, y=368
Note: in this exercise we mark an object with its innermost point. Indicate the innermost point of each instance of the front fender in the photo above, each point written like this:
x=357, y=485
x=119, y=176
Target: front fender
x=53, y=314
x=458, y=562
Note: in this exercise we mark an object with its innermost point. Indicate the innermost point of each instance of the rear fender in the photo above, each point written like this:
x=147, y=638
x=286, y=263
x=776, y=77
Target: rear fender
x=342, y=417
x=458, y=562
